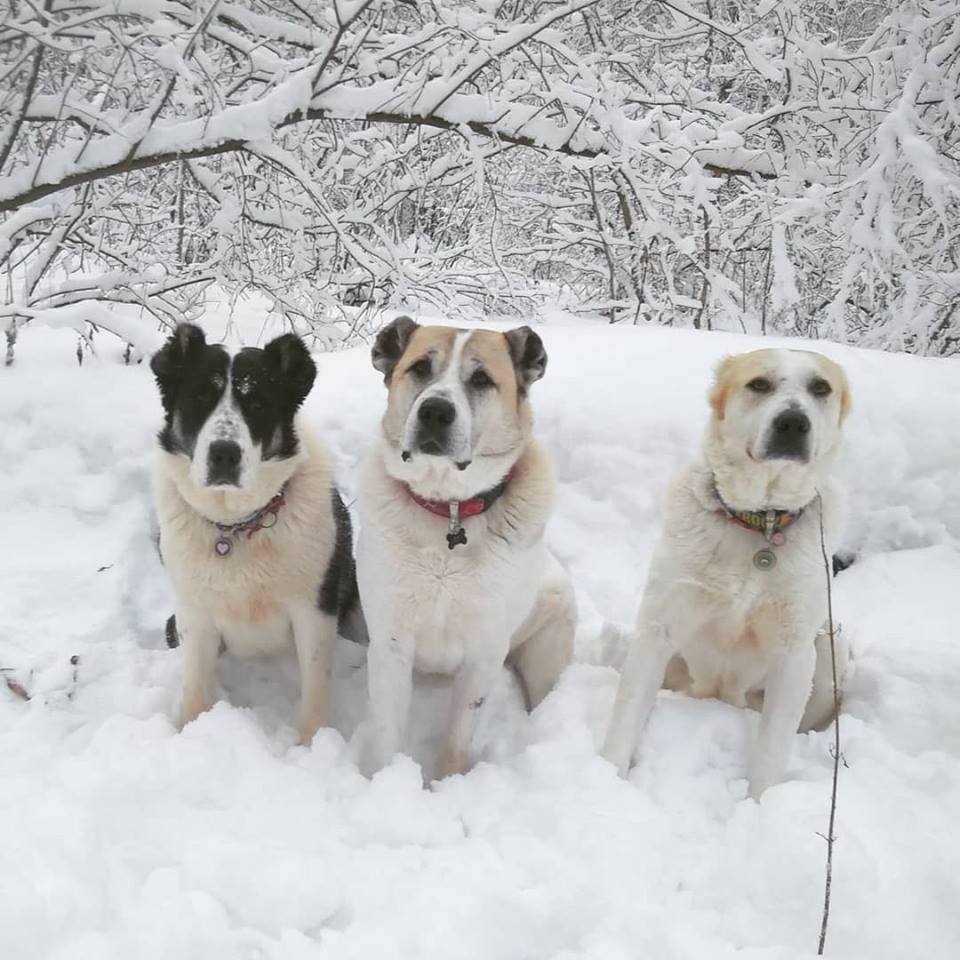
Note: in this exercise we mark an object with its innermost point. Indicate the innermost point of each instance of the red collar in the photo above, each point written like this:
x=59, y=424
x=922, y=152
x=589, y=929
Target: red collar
x=456, y=511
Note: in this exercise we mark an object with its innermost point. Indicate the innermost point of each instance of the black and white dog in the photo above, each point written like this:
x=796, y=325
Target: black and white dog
x=253, y=533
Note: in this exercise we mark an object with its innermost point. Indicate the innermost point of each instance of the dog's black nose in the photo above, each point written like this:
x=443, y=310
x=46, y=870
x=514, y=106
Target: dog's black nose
x=223, y=462
x=789, y=437
x=436, y=414
x=791, y=423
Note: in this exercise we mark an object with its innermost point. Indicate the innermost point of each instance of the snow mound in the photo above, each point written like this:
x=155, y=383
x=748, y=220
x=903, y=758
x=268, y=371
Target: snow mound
x=123, y=839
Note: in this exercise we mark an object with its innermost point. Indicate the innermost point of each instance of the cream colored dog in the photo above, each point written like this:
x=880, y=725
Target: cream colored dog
x=454, y=573
x=737, y=591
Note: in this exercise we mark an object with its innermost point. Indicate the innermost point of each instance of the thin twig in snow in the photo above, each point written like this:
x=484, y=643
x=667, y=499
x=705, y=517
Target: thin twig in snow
x=836, y=739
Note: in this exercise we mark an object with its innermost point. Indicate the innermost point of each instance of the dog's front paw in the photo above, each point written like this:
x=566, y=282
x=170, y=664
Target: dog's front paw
x=452, y=761
x=760, y=777
x=196, y=698
x=190, y=710
x=310, y=722
x=620, y=754
x=372, y=758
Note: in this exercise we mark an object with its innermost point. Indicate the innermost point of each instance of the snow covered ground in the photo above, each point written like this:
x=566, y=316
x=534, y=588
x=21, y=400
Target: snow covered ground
x=123, y=839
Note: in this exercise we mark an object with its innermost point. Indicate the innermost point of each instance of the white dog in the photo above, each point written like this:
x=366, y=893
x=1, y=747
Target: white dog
x=454, y=574
x=253, y=533
x=737, y=591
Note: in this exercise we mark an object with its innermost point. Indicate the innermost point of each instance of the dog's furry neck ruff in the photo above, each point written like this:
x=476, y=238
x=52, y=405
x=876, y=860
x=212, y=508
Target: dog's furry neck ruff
x=458, y=510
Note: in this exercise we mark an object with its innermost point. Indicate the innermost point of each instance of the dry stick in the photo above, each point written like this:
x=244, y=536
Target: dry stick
x=836, y=740
x=13, y=686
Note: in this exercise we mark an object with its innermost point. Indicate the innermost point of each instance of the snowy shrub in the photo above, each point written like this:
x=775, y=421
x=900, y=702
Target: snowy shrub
x=746, y=164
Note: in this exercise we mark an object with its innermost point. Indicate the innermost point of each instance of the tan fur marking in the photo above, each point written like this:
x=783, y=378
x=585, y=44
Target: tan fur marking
x=734, y=372
x=492, y=350
x=835, y=375
x=438, y=340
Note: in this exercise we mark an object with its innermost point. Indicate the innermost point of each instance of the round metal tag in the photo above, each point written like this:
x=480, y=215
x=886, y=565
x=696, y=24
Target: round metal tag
x=764, y=559
x=223, y=547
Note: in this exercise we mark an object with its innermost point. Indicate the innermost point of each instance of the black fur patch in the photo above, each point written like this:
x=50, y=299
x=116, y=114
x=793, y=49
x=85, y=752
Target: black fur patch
x=173, y=638
x=842, y=560
x=269, y=386
x=338, y=593
x=192, y=376
x=390, y=344
x=528, y=355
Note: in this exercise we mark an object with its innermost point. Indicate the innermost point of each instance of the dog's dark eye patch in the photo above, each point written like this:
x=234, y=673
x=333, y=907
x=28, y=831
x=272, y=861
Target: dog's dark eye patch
x=421, y=369
x=819, y=387
x=201, y=393
x=760, y=385
x=481, y=380
x=207, y=390
x=265, y=401
x=248, y=388
x=203, y=378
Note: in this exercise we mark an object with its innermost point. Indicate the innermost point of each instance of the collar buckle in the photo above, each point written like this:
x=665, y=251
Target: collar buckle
x=455, y=532
x=770, y=524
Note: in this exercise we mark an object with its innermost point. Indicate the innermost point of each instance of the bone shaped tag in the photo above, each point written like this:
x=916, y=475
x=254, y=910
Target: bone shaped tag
x=457, y=536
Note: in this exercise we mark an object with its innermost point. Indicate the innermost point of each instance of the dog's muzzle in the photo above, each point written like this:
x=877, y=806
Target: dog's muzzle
x=223, y=463
x=789, y=437
x=435, y=418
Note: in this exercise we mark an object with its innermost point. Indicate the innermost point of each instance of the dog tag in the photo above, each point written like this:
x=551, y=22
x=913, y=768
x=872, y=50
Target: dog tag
x=455, y=532
x=764, y=559
x=223, y=547
x=453, y=538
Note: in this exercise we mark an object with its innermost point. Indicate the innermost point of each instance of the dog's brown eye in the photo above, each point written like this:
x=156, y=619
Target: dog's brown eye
x=760, y=385
x=421, y=368
x=480, y=379
x=820, y=388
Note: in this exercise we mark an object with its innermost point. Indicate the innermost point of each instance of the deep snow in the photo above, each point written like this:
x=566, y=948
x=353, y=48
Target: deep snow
x=124, y=839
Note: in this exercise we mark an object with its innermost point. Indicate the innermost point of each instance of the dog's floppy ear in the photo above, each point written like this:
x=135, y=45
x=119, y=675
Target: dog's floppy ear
x=295, y=369
x=846, y=401
x=167, y=363
x=717, y=397
x=529, y=357
x=391, y=343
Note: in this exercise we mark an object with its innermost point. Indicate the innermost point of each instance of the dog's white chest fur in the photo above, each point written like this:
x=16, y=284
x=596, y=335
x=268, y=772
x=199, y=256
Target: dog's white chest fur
x=446, y=600
x=727, y=615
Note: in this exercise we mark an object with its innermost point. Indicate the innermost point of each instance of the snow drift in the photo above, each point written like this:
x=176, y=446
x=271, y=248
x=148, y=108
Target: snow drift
x=122, y=838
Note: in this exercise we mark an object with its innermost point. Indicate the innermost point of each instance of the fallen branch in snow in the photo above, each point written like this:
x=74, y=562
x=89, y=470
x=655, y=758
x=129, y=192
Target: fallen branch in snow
x=15, y=688
x=836, y=742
